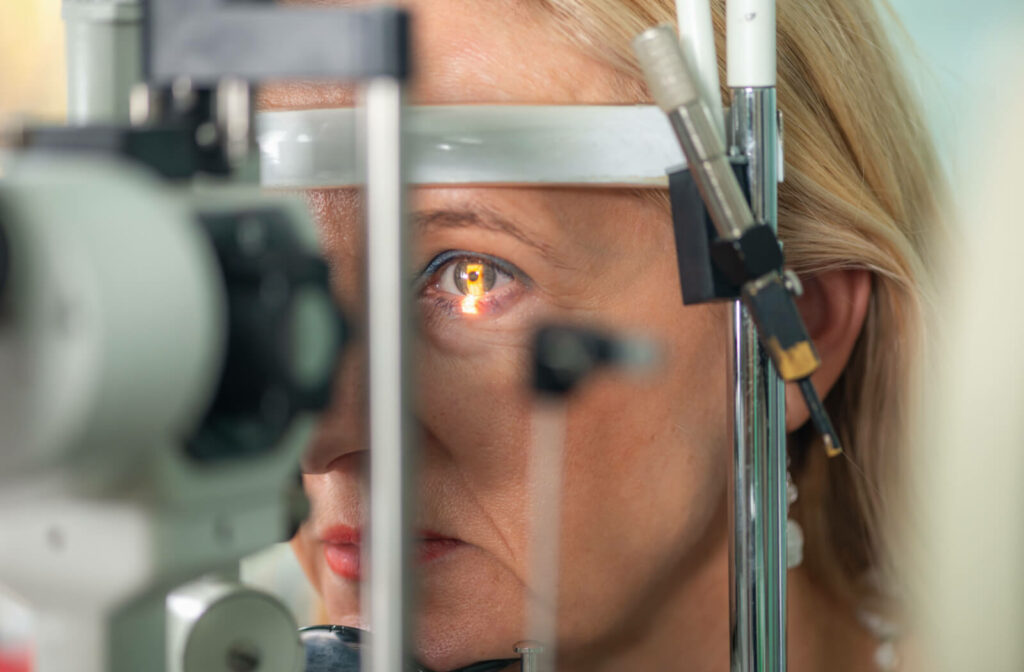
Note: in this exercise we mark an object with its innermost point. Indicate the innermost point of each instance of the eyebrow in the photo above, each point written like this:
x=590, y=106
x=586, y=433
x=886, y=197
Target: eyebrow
x=482, y=218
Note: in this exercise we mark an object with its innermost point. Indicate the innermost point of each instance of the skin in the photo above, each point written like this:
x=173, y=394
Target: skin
x=644, y=548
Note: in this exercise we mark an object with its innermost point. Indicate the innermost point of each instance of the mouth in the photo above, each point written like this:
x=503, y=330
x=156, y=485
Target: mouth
x=343, y=549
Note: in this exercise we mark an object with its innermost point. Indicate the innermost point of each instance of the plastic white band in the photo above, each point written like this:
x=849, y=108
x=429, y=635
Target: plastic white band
x=600, y=146
x=750, y=43
x=698, y=39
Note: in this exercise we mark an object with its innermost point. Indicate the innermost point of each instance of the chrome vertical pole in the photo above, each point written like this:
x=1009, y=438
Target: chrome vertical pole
x=391, y=438
x=747, y=405
x=758, y=553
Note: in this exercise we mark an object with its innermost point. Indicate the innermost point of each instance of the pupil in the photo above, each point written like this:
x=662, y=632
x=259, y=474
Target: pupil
x=475, y=277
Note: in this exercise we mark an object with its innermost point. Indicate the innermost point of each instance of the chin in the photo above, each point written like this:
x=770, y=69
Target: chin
x=469, y=608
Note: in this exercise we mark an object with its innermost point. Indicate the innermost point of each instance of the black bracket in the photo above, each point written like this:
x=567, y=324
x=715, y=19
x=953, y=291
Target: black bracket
x=169, y=147
x=712, y=269
x=208, y=40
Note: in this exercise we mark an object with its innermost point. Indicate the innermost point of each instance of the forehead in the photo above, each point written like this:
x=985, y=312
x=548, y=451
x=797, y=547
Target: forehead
x=487, y=51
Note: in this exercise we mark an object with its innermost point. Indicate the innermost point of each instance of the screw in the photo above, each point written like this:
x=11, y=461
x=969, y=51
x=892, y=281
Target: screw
x=529, y=651
x=792, y=282
x=207, y=134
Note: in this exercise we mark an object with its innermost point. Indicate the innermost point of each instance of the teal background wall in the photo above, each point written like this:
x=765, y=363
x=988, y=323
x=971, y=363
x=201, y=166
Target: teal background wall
x=965, y=51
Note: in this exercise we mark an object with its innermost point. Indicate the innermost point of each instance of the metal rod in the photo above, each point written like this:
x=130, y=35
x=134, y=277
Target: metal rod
x=758, y=567
x=747, y=405
x=758, y=557
x=697, y=35
x=391, y=438
x=758, y=541
x=545, y=479
x=104, y=58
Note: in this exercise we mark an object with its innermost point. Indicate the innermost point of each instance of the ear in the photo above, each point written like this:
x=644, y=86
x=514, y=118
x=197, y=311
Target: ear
x=833, y=306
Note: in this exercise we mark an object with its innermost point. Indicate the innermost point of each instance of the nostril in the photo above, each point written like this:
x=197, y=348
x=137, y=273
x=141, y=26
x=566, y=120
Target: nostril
x=354, y=462
x=333, y=453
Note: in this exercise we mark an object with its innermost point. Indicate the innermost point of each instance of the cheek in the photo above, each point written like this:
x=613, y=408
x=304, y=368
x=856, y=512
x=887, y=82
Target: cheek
x=645, y=475
x=476, y=410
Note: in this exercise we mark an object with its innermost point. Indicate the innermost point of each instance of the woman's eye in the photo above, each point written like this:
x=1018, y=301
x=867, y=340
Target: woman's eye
x=472, y=278
x=470, y=285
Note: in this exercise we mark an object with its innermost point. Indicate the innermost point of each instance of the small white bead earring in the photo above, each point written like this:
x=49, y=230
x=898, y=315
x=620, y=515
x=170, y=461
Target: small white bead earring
x=794, y=533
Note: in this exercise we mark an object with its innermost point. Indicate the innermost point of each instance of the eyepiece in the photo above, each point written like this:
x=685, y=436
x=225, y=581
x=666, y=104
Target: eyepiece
x=668, y=76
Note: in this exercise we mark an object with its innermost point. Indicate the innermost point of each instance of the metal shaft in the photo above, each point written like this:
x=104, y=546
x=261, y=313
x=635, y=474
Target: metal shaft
x=104, y=58
x=758, y=553
x=545, y=511
x=391, y=438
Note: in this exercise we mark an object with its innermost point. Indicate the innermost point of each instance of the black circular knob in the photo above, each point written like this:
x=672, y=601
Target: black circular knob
x=331, y=648
x=285, y=334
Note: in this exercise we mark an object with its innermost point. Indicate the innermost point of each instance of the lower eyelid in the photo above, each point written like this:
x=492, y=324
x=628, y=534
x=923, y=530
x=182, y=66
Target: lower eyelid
x=450, y=305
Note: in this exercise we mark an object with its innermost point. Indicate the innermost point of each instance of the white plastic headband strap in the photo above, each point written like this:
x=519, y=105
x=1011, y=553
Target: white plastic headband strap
x=584, y=145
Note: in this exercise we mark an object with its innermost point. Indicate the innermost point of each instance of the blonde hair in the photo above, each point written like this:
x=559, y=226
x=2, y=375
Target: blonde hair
x=861, y=192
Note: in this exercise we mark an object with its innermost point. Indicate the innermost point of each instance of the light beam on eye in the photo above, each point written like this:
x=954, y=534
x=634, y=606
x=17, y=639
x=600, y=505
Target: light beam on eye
x=474, y=278
x=468, y=305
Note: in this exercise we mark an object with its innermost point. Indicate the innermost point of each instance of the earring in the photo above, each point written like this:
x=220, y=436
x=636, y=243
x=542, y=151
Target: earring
x=794, y=533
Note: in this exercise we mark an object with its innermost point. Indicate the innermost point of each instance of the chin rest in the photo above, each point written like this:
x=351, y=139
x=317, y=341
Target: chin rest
x=337, y=648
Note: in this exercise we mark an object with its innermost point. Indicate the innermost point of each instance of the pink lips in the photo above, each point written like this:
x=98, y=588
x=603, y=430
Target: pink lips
x=343, y=549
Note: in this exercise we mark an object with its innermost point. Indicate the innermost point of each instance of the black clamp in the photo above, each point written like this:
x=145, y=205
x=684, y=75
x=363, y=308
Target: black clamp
x=712, y=269
x=564, y=356
x=173, y=145
x=750, y=268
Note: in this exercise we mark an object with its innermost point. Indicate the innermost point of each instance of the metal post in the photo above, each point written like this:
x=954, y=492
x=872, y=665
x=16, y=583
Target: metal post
x=545, y=509
x=758, y=554
x=104, y=58
x=388, y=314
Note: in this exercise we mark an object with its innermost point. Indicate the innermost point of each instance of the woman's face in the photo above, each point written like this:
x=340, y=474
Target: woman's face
x=645, y=459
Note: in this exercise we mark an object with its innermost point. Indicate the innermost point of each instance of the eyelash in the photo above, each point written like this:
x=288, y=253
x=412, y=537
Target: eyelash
x=450, y=304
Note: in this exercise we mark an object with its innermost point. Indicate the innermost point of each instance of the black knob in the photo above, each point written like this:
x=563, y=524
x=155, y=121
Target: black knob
x=331, y=648
x=285, y=334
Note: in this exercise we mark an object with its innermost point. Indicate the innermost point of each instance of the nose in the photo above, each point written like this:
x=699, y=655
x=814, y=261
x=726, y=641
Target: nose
x=342, y=428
